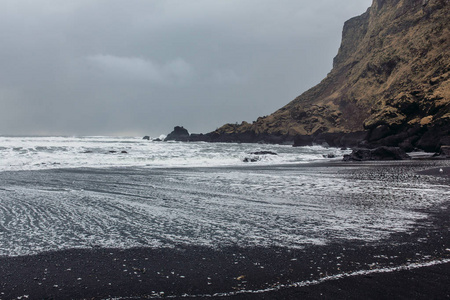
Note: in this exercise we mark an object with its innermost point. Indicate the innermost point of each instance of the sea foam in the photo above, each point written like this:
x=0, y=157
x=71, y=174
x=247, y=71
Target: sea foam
x=38, y=153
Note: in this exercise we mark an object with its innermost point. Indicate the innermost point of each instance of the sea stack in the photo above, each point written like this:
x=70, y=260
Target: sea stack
x=179, y=134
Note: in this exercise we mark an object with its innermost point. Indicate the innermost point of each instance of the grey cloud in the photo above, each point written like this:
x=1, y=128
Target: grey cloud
x=139, y=69
x=109, y=66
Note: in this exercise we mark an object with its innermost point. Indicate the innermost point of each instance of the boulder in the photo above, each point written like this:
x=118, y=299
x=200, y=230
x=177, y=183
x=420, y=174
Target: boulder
x=264, y=153
x=445, y=151
x=257, y=156
x=380, y=153
x=146, y=138
x=248, y=159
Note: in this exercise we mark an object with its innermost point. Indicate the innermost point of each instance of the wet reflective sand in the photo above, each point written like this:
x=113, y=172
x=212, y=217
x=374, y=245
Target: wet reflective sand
x=203, y=231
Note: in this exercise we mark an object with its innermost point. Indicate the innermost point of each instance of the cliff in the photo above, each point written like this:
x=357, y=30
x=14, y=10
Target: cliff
x=390, y=78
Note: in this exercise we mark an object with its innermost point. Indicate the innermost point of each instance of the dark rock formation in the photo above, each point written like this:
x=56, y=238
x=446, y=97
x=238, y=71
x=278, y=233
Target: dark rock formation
x=409, y=138
x=146, y=138
x=264, y=153
x=352, y=139
x=114, y=151
x=390, y=78
x=303, y=140
x=381, y=153
x=179, y=134
x=435, y=137
x=339, y=140
x=445, y=152
x=199, y=137
x=257, y=156
x=246, y=137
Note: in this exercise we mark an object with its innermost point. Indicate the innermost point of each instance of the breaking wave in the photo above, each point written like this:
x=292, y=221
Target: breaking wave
x=37, y=153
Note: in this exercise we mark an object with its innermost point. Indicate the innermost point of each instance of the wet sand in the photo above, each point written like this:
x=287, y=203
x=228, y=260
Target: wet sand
x=423, y=283
x=389, y=269
x=270, y=273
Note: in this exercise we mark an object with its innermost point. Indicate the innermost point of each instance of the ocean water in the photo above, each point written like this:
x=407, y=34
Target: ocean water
x=82, y=192
x=40, y=153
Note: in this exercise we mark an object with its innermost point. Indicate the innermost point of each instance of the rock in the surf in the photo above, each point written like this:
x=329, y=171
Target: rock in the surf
x=179, y=134
x=380, y=153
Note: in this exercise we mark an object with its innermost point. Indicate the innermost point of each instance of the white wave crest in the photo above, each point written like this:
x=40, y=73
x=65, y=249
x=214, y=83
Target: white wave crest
x=37, y=153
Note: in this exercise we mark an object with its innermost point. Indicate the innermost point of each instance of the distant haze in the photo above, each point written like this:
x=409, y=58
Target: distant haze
x=139, y=67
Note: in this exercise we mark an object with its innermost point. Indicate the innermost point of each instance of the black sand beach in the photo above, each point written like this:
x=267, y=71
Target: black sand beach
x=407, y=265
x=202, y=272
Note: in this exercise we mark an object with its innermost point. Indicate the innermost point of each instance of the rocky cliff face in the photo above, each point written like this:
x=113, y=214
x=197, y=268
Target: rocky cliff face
x=391, y=76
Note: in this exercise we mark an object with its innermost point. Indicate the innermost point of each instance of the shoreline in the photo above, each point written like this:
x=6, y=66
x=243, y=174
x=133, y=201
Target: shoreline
x=427, y=280
x=421, y=282
x=141, y=273
x=347, y=270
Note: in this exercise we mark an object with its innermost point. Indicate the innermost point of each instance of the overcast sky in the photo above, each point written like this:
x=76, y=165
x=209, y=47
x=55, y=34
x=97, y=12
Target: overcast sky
x=136, y=67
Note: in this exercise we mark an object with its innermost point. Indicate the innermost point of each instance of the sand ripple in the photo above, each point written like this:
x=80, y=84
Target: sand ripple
x=273, y=206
